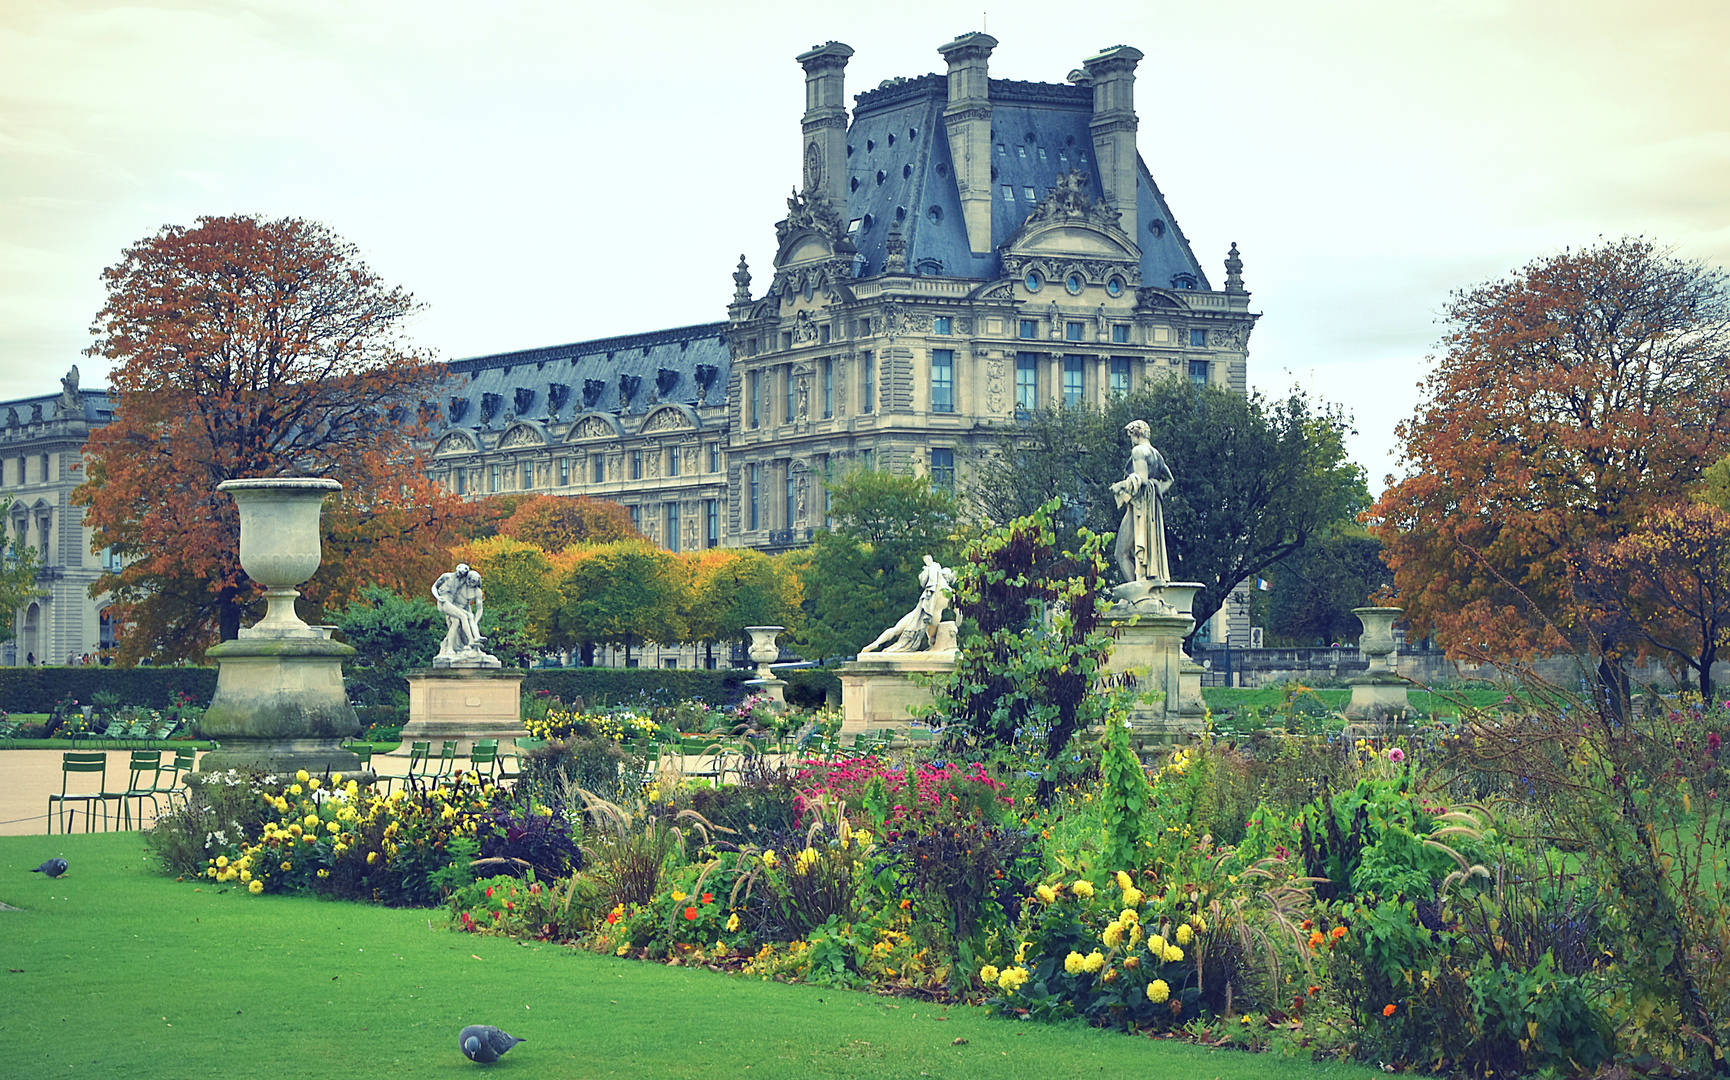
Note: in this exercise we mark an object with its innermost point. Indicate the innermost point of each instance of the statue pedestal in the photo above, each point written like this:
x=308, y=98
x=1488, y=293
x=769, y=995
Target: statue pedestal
x=1150, y=629
x=879, y=690
x=464, y=704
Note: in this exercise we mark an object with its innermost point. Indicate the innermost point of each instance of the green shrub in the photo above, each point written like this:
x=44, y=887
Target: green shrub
x=36, y=690
x=613, y=686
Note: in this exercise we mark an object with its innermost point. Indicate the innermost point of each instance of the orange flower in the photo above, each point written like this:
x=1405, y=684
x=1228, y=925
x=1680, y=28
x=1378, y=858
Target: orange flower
x=1388, y=1010
x=1316, y=940
x=690, y=914
x=905, y=904
x=1338, y=932
x=1307, y=924
x=1313, y=991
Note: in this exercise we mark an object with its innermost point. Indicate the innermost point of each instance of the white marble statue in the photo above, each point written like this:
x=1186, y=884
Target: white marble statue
x=920, y=629
x=462, y=603
x=1141, y=550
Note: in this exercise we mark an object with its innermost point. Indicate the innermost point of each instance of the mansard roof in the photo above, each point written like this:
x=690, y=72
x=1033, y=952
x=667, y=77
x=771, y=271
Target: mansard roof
x=899, y=169
x=610, y=375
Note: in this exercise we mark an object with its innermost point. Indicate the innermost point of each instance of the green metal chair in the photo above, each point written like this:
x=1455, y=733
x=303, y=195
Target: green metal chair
x=418, y=754
x=484, y=757
x=90, y=762
x=168, y=783
x=447, y=761
x=514, y=771
x=143, y=769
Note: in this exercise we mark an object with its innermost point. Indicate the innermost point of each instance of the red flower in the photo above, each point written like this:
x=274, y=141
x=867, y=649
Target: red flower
x=690, y=914
x=1388, y=1010
x=708, y=898
x=613, y=916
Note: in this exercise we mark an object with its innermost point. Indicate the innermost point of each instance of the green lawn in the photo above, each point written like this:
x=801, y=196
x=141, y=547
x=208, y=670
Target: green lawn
x=114, y=971
x=1265, y=699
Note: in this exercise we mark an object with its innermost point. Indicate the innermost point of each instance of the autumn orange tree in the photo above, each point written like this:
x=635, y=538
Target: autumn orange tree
x=244, y=346
x=1571, y=400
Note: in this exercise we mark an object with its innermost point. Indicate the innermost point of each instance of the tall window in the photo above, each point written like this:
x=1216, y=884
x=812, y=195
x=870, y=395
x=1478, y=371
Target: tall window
x=943, y=324
x=528, y=476
x=462, y=476
x=942, y=467
x=712, y=522
x=600, y=461
x=1072, y=331
x=754, y=396
x=828, y=388
x=756, y=496
x=1198, y=371
x=494, y=478
x=1074, y=380
x=672, y=526
x=1120, y=374
x=868, y=368
x=1120, y=334
x=672, y=461
x=1198, y=339
x=942, y=380
x=637, y=518
x=788, y=380
x=788, y=505
x=1026, y=381
x=714, y=457
x=564, y=472
x=636, y=464
x=865, y=459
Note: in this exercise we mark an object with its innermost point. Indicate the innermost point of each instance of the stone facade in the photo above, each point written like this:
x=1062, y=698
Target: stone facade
x=41, y=461
x=962, y=250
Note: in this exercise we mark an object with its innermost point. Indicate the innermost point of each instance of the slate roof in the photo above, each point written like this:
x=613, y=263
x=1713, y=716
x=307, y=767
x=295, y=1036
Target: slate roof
x=899, y=168
x=525, y=382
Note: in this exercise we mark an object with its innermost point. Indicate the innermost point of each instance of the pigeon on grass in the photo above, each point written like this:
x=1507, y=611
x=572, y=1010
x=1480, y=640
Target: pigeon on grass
x=53, y=868
x=485, y=1043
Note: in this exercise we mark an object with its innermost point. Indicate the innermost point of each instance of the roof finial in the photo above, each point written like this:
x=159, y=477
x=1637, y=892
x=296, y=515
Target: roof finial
x=1233, y=271
x=895, y=250
x=742, y=283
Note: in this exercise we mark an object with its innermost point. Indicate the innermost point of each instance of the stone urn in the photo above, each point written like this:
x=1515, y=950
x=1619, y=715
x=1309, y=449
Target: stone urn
x=280, y=704
x=763, y=652
x=280, y=545
x=1379, y=694
x=1377, y=643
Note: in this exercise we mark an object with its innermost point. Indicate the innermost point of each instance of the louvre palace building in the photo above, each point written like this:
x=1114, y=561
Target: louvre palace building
x=960, y=250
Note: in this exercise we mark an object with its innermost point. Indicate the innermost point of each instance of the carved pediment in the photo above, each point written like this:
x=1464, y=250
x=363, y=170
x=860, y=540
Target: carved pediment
x=668, y=418
x=812, y=230
x=523, y=435
x=596, y=426
x=1069, y=223
x=455, y=443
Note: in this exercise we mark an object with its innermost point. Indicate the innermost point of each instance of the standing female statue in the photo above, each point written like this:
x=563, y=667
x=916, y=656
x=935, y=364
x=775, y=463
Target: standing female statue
x=1141, y=551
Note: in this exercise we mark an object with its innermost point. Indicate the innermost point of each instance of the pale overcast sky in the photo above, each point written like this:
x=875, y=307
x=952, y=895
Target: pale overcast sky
x=544, y=172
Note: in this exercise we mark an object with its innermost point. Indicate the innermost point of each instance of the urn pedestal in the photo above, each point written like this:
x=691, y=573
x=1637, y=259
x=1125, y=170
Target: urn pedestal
x=1379, y=694
x=280, y=704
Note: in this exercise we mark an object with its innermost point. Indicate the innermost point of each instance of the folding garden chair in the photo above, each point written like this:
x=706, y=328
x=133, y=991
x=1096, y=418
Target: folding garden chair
x=447, y=761
x=93, y=762
x=705, y=752
x=144, y=768
x=514, y=771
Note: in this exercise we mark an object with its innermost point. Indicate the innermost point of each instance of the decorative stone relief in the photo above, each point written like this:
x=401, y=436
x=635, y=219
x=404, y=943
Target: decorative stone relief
x=593, y=427
x=666, y=420
x=994, y=383
x=520, y=436
x=653, y=454
x=804, y=330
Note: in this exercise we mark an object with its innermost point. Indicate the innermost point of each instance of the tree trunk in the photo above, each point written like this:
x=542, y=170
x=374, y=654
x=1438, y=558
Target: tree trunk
x=586, y=654
x=1613, y=685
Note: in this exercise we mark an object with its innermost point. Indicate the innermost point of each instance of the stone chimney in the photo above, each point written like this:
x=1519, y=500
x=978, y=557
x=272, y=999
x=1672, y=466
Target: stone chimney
x=825, y=124
x=968, y=116
x=1112, y=73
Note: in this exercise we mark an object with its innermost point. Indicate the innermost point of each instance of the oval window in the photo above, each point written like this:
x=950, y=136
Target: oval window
x=1034, y=281
x=1114, y=286
x=1074, y=284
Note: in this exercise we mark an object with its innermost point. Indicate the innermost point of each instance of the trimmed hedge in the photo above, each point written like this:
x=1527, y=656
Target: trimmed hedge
x=618, y=686
x=810, y=688
x=38, y=689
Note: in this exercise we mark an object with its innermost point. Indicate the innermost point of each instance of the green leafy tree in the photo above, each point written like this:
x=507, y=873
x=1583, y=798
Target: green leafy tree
x=391, y=637
x=19, y=564
x=1257, y=479
x=863, y=574
x=732, y=588
x=617, y=594
x=1026, y=667
x=1315, y=588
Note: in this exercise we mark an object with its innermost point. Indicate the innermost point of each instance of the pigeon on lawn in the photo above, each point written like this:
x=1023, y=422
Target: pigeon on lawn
x=484, y=1043
x=53, y=868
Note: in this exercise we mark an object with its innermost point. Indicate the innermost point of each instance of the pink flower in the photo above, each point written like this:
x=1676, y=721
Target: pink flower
x=1396, y=755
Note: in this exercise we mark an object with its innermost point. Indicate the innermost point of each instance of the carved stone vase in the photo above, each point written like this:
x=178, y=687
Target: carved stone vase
x=280, y=704
x=763, y=652
x=1379, y=694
